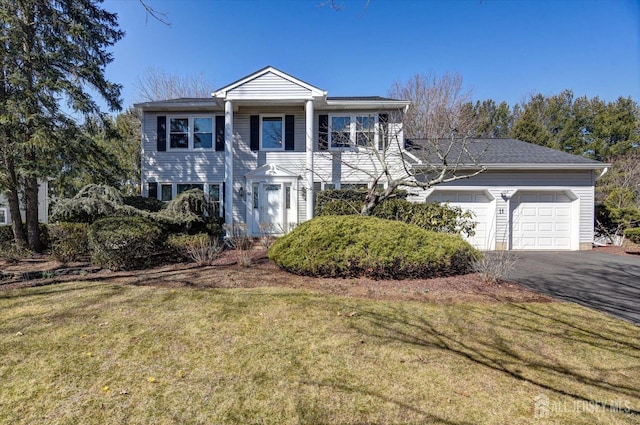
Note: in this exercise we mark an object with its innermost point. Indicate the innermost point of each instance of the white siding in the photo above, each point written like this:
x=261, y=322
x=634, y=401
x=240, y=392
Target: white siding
x=177, y=166
x=269, y=86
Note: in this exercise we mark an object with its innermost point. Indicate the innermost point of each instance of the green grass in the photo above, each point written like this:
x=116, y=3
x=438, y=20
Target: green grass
x=95, y=353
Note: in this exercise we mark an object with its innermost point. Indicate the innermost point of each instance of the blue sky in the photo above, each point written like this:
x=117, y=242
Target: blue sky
x=504, y=50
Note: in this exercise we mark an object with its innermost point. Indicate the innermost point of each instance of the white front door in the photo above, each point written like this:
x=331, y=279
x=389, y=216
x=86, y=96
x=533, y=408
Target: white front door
x=268, y=211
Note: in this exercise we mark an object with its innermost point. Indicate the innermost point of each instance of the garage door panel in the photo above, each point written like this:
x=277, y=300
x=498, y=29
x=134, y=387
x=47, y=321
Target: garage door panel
x=476, y=202
x=541, y=221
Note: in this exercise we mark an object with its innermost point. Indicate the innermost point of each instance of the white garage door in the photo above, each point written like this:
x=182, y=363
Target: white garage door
x=541, y=220
x=480, y=205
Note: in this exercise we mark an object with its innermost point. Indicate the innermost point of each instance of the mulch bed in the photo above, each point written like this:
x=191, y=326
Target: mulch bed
x=226, y=273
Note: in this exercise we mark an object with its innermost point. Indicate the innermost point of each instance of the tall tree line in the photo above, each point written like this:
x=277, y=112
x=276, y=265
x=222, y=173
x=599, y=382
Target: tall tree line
x=583, y=126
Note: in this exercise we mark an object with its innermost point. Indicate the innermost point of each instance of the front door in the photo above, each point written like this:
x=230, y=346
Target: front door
x=268, y=214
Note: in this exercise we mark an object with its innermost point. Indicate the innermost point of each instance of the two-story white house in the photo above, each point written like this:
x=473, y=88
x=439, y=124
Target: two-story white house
x=262, y=146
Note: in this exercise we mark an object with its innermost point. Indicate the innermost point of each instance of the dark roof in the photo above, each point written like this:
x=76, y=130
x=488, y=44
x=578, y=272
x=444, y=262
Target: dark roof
x=365, y=98
x=492, y=152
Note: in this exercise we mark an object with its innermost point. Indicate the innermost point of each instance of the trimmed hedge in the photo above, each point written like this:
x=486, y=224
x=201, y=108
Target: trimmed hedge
x=352, y=246
x=69, y=241
x=633, y=234
x=120, y=243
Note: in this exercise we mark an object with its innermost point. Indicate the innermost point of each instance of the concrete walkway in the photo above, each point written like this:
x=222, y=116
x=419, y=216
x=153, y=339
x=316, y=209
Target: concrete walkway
x=605, y=282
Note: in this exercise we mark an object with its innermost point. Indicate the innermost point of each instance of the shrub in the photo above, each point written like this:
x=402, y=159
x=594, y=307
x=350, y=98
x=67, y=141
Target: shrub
x=428, y=215
x=125, y=242
x=7, y=240
x=494, y=267
x=350, y=246
x=69, y=241
x=432, y=216
x=633, y=234
x=200, y=248
x=143, y=204
x=190, y=212
x=6, y=236
x=344, y=201
x=90, y=204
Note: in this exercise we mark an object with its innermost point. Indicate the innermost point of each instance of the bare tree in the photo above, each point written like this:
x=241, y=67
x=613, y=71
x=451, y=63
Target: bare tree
x=424, y=146
x=156, y=84
x=151, y=11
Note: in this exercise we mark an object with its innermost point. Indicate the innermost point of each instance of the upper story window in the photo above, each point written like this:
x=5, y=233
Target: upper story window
x=272, y=133
x=190, y=132
x=3, y=216
x=353, y=130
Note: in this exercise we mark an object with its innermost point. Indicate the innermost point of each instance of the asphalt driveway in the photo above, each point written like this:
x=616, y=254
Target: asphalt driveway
x=605, y=282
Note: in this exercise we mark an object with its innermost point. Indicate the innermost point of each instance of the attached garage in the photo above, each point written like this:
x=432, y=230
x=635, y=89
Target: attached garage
x=481, y=204
x=542, y=221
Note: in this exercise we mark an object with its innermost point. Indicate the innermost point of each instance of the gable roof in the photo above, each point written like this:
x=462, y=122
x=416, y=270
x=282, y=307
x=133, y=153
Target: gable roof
x=502, y=154
x=314, y=91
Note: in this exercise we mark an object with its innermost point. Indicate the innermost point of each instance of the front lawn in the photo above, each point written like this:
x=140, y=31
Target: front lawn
x=103, y=353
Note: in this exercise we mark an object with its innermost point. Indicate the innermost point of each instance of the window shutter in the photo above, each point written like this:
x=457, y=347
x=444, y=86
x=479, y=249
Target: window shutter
x=223, y=202
x=289, y=132
x=383, y=131
x=254, y=133
x=323, y=132
x=153, y=190
x=161, y=134
x=219, y=133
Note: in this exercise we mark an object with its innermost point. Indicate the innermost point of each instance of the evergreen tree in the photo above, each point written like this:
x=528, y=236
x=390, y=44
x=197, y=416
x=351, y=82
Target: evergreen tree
x=53, y=51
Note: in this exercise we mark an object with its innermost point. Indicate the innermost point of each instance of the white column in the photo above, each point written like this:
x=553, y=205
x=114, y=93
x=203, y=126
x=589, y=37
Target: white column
x=309, y=151
x=228, y=162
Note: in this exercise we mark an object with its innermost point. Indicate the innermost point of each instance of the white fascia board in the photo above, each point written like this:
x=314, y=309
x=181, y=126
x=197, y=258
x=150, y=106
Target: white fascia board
x=367, y=104
x=177, y=106
x=548, y=166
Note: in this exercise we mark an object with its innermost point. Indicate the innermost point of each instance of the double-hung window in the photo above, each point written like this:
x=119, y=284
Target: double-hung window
x=272, y=133
x=353, y=130
x=190, y=132
x=3, y=216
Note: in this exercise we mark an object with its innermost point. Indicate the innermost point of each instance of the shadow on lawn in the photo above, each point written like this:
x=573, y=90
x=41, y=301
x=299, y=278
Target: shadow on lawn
x=316, y=415
x=487, y=340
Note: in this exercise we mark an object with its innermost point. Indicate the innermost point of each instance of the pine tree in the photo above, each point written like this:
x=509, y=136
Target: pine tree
x=53, y=51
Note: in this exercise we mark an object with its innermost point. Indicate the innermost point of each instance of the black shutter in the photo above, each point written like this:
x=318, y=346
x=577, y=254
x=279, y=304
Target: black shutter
x=223, y=200
x=161, y=134
x=289, y=131
x=323, y=132
x=153, y=190
x=220, y=132
x=383, y=131
x=254, y=133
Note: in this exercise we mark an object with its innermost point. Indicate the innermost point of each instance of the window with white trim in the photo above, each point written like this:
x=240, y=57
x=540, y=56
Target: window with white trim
x=272, y=132
x=190, y=132
x=3, y=216
x=353, y=130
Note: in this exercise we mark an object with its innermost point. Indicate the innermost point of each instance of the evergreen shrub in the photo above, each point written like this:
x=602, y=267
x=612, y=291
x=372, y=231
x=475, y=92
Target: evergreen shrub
x=69, y=241
x=352, y=246
x=143, y=203
x=7, y=240
x=428, y=215
x=633, y=234
x=120, y=243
